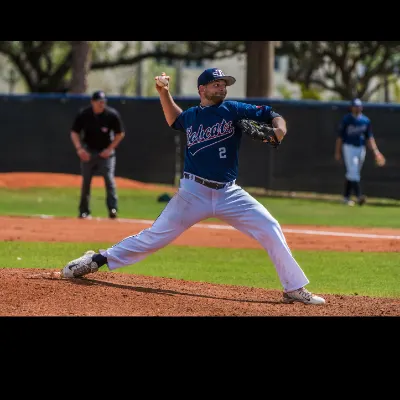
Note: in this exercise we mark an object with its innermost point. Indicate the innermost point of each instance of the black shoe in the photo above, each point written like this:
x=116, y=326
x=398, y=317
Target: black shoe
x=113, y=213
x=84, y=215
x=361, y=200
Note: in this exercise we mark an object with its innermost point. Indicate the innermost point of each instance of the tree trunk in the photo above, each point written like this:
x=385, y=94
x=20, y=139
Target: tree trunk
x=81, y=59
x=139, y=71
x=266, y=68
x=386, y=89
x=260, y=68
x=252, y=69
x=178, y=77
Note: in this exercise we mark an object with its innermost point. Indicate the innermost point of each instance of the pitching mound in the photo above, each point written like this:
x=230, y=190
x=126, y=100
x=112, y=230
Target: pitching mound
x=27, y=292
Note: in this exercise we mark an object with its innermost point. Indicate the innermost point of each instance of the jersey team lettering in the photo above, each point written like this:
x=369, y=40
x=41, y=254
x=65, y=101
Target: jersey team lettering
x=355, y=130
x=204, y=135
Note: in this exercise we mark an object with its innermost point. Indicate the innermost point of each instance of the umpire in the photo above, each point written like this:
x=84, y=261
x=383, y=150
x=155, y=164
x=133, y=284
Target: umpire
x=96, y=133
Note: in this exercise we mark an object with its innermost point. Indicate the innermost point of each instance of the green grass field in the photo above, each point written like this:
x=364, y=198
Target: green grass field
x=373, y=274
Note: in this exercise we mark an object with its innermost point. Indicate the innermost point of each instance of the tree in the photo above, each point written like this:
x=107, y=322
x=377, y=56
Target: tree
x=80, y=66
x=346, y=68
x=42, y=66
x=62, y=66
x=189, y=51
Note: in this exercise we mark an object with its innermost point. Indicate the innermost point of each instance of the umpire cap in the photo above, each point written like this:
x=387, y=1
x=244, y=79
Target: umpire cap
x=213, y=74
x=99, y=95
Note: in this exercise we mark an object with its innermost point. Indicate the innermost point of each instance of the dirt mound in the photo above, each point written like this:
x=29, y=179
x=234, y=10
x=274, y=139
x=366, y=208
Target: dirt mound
x=27, y=292
x=38, y=179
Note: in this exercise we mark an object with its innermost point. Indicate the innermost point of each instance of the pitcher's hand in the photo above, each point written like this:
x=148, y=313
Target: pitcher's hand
x=160, y=86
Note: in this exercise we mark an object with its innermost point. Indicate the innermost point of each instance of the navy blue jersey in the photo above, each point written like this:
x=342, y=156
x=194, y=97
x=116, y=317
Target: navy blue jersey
x=355, y=130
x=212, y=146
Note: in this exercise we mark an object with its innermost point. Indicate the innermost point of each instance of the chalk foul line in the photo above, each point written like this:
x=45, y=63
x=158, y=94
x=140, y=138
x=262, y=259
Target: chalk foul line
x=313, y=232
x=228, y=227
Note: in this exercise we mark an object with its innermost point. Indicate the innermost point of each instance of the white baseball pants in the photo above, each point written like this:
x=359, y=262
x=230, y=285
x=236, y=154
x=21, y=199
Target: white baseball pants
x=353, y=157
x=195, y=202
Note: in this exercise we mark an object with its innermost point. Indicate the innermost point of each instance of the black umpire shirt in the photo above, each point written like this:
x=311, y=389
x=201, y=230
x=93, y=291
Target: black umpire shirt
x=97, y=130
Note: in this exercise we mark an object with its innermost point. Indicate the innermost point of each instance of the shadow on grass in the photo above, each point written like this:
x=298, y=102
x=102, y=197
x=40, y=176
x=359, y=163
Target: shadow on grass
x=370, y=203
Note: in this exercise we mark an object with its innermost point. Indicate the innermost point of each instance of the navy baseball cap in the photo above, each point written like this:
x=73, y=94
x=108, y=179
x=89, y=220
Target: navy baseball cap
x=213, y=74
x=99, y=95
x=356, y=103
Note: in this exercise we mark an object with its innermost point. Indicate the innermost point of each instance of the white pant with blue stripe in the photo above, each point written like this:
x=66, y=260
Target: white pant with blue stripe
x=353, y=157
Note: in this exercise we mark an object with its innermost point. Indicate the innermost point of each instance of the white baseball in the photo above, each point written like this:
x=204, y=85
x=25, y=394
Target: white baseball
x=162, y=81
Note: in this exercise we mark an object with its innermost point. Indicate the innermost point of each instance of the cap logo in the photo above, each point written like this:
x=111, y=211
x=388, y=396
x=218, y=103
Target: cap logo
x=217, y=73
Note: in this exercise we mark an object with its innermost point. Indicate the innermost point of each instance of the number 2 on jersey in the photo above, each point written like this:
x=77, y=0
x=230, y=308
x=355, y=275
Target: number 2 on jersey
x=222, y=152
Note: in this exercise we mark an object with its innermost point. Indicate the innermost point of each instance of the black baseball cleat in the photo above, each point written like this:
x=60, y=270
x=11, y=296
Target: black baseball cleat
x=113, y=213
x=84, y=215
x=361, y=200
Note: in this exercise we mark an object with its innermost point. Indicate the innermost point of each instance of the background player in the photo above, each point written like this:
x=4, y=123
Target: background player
x=96, y=133
x=208, y=188
x=354, y=134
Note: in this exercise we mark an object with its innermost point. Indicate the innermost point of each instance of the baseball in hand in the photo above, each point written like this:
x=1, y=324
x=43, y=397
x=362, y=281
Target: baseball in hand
x=162, y=81
x=380, y=160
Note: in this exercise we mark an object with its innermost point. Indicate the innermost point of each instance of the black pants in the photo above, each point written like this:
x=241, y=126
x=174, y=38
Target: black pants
x=98, y=166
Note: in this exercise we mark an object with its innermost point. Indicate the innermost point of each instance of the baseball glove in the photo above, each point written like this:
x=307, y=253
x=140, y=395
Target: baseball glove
x=260, y=131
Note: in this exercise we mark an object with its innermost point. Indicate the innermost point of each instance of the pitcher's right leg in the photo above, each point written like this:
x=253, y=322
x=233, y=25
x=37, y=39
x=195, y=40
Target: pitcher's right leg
x=248, y=215
x=181, y=212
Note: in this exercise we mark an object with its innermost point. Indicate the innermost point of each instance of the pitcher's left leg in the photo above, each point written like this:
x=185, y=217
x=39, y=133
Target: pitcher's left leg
x=181, y=212
x=249, y=216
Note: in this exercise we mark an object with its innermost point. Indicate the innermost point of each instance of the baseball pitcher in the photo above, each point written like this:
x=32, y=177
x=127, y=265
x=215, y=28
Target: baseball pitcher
x=208, y=188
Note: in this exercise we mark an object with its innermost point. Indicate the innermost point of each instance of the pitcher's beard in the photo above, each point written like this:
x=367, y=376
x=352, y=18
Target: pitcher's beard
x=216, y=98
